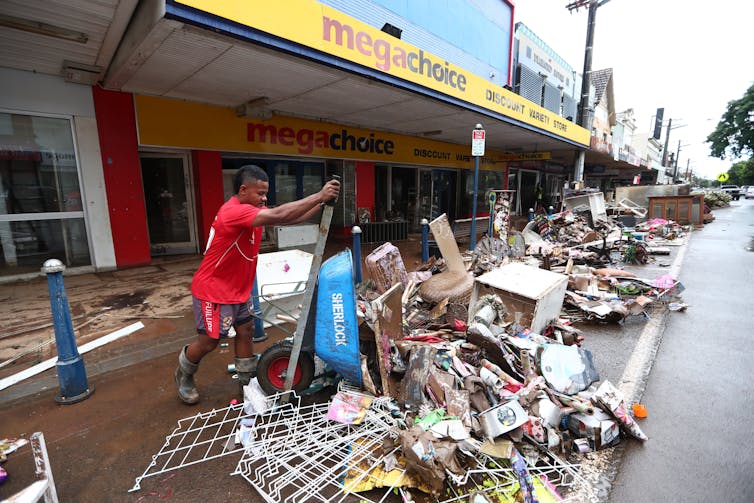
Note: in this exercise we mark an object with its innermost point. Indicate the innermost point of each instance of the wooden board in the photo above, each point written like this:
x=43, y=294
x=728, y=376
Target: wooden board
x=447, y=244
x=389, y=327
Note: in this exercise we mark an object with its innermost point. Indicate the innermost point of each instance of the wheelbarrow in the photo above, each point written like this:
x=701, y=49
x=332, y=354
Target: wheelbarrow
x=329, y=339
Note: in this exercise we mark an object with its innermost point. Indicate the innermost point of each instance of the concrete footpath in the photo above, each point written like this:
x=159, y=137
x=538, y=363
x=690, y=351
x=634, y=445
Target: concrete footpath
x=99, y=446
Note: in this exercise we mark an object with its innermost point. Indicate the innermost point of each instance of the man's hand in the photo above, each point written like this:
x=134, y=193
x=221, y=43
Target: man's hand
x=330, y=191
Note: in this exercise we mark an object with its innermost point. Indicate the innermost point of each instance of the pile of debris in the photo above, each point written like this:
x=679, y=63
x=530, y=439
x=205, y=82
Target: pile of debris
x=474, y=384
x=485, y=364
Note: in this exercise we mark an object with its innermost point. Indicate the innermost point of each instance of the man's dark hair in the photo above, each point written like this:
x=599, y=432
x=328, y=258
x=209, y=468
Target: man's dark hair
x=248, y=173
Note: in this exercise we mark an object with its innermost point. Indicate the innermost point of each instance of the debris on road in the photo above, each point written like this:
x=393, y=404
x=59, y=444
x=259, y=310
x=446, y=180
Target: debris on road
x=475, y=384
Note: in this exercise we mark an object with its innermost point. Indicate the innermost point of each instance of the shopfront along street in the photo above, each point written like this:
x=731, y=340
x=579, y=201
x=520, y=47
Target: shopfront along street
x=522, y=296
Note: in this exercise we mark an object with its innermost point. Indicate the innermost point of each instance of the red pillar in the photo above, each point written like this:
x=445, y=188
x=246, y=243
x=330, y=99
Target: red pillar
x=208, y=187
x=116, y=124
x=365, y=186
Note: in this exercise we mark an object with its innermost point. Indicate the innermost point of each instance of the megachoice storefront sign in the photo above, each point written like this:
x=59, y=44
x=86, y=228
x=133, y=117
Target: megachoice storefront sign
x=166, y=122
x=330, y=31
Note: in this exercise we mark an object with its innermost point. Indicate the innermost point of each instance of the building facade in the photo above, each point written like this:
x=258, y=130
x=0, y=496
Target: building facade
x=120, y=143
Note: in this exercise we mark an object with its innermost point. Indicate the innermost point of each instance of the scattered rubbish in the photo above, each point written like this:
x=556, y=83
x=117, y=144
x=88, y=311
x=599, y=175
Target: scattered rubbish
x=502, y=418
x=598, y=428
x=464, y=379
x=10, y=445
x=610, y=398
x=567, y=369
x=44, y=486
x=639, y=410
x=348, y=408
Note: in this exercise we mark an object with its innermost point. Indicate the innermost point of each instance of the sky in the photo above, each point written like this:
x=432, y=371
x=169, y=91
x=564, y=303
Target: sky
x=690, y=58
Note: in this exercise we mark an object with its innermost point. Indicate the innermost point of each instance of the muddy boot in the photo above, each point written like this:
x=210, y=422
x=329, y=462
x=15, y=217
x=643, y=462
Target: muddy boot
x=184, y=379
x=246, y=368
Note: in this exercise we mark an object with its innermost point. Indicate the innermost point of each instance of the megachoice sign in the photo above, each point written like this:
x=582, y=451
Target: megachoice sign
x=314, y=25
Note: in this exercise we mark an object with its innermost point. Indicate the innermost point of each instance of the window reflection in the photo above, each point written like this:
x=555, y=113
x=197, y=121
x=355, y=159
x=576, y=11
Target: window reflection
x=38, y=178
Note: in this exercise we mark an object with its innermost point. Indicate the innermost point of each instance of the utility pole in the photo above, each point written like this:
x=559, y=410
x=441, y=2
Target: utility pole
x=583, y=119
x=667, y=140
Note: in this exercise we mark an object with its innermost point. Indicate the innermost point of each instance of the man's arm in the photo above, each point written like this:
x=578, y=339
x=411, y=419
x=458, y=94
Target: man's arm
x=298, y=211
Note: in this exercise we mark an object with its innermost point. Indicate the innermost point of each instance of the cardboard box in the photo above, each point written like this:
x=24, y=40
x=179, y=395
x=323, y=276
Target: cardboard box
x=535, y=294
x=599, y=428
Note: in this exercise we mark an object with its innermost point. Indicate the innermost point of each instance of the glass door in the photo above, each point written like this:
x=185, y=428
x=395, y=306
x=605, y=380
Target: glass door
x=424, y=199
x=41, y=210
x=444, y=193
x=167, y=197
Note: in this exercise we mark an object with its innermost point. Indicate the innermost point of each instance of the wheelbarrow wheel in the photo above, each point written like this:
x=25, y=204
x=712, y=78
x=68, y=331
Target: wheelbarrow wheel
x=273, y=367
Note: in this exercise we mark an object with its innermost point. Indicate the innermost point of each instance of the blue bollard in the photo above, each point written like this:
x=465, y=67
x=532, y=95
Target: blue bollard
x=71, y=372
x=531, y=214
x=356, y=231
x=259, y=334
x=425, y=239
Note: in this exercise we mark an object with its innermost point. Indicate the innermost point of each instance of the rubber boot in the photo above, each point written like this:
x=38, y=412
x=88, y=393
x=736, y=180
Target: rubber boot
x=184, y=379
x=246, y=368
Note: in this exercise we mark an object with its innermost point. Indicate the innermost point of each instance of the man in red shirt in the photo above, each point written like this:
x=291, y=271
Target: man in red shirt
x=221, y=287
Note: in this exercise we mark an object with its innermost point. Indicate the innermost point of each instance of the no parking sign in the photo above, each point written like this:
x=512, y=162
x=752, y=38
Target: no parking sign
x=477, y=142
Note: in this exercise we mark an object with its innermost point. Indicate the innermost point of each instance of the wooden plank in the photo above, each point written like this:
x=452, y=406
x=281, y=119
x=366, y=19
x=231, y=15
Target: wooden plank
x=447, y=244
x=389, y=309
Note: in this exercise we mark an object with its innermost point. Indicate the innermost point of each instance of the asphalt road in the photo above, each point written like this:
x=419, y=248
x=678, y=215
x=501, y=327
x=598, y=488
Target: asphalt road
x=699, y=393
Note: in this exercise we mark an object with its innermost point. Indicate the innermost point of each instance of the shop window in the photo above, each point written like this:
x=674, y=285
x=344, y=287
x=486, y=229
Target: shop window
x=289, y=180
x=41, y=212
x=488, y=180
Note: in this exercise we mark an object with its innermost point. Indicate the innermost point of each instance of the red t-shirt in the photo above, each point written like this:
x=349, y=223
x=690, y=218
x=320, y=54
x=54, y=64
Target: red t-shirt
x=227, y=271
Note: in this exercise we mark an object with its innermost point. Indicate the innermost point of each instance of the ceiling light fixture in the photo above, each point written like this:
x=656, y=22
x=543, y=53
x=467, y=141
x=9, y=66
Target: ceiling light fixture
x=30, y=26
x=79, y=73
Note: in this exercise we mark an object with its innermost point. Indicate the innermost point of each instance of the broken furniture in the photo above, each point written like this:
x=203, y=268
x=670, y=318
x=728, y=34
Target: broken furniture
x=682, y=209
x=591, y=204
x=385, y=267
x=531, y=297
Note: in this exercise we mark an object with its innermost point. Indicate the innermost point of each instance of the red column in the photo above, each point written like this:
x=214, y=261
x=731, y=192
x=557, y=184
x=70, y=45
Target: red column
x=208, y=190
x=116, y=124
x=365, y=186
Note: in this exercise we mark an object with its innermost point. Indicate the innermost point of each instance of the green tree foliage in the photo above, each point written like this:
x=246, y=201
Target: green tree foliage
x=734, y=134
x=742, y=173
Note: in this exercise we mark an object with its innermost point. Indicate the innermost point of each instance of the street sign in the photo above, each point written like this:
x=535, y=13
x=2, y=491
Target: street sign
x=723, y=177
x=477, y=142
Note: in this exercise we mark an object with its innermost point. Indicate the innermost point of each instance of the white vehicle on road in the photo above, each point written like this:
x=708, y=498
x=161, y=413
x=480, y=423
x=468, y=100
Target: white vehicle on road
x=734, y=191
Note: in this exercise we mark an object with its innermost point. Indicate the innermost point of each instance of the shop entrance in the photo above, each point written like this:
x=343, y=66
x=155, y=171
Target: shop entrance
x=437, y=193
x=167, y=197
x=524, y=182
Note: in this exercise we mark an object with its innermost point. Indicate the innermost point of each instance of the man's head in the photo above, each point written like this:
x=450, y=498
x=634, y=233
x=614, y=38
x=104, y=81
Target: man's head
x=250, y=185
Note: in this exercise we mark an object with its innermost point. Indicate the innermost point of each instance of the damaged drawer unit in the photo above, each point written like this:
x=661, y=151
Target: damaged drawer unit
x=535, y=293
x=385, y=267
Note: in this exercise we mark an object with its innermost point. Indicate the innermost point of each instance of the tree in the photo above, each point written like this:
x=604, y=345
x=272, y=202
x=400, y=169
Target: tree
x=742, y=173
x=734, y=134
